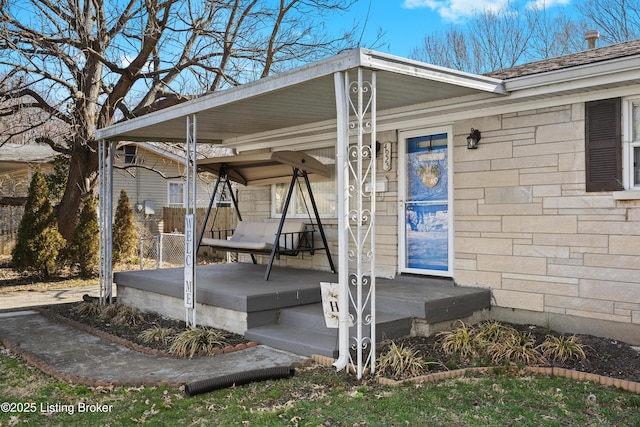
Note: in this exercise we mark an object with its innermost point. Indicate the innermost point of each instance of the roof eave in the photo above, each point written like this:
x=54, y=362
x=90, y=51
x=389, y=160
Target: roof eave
x=385, y=62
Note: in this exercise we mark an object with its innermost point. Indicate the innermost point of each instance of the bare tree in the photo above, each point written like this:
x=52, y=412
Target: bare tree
x=616, y=20
x=555, y=35
x=493, y=39
x=497, y=39
x=452, y=49
x=84, y=64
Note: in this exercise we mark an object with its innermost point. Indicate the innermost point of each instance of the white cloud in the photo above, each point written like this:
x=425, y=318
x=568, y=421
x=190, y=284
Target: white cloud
x=456, y=10
x=126, y=60
x=546, y=4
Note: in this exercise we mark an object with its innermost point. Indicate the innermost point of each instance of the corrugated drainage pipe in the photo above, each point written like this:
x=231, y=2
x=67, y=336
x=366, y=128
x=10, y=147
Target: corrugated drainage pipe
x=240, y=378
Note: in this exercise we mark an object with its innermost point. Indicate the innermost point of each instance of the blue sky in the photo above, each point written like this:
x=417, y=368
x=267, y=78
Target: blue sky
x=406, y=22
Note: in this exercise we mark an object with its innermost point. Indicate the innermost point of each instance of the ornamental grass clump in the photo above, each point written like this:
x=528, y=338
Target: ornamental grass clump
x=401, y=362
x=562, y=348
x=493, y=331
x=158, y=334
x=462, y=342
x=197, y=341
x=108, y=312
x=127, y=316
x=517, y=348
x=90, y=309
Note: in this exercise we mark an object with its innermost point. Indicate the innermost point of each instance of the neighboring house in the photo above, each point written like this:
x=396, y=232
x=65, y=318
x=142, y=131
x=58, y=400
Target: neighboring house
x=17, y=164
x=545, y=212
x=152, y=174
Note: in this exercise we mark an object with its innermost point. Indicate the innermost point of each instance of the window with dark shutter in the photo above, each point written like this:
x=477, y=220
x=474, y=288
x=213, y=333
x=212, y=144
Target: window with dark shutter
x=603, y=145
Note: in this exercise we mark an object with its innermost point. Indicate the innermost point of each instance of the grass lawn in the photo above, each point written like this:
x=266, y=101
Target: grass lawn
x=317, y=396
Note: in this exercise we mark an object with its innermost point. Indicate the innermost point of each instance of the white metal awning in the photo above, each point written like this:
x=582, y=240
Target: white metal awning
x=300, y=97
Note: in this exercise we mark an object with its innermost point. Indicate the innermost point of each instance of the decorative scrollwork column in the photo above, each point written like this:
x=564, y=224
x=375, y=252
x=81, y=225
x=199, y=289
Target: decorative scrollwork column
x=358, y=220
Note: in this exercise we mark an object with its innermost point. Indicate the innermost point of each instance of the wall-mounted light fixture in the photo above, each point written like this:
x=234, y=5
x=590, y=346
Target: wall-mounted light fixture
x=473, y=139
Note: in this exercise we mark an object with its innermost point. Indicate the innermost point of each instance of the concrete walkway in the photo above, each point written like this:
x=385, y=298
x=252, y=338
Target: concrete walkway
x=35, y=298
x=72, y=355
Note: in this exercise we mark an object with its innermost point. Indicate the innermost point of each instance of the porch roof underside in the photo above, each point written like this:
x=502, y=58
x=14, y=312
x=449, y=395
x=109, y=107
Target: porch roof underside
x=300, y=97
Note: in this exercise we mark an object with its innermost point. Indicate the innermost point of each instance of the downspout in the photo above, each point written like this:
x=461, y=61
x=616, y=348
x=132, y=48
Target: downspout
x=342, y=146
x=105, y=208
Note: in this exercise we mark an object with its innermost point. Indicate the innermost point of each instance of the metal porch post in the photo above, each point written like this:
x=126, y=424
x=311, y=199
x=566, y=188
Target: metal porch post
x=356, y=117
x=190, y=243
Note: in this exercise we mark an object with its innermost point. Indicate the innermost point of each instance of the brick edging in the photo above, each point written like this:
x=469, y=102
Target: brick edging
x=125, y=342
x=631, y=386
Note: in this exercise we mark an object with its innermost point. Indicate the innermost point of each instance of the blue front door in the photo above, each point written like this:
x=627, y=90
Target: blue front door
x=424, y=205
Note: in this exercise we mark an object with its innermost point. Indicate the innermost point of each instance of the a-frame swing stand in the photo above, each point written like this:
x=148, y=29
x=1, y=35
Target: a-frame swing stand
x=276, y=239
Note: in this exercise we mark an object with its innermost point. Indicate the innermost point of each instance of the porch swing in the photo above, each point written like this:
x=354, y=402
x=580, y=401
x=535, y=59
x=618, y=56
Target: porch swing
x=284, y=238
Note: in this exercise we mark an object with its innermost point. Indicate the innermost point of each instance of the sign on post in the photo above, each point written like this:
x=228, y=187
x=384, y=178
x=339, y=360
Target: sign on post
x=188, y=261
x=331, y=304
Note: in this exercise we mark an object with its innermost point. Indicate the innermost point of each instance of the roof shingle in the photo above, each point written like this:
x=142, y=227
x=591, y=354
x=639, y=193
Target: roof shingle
x=590, y=56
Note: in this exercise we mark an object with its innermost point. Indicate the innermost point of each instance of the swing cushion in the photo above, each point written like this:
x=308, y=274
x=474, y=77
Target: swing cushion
x=259, y=237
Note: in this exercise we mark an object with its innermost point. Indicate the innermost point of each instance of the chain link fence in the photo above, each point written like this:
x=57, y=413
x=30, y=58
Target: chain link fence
x=162, y=251
x=166, y=250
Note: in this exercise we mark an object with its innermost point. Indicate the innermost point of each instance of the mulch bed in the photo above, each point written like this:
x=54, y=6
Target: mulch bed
x=606, y=357
x=130, y=335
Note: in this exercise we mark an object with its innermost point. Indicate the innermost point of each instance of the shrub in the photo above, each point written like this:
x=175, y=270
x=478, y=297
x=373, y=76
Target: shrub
x=197, y=341
x=39, y=243
x=83, y=250
x=57, y=179
x=400, y=362
x=124, y=231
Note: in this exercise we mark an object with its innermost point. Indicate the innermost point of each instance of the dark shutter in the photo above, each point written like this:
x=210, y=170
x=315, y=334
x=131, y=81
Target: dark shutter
x=603, y=145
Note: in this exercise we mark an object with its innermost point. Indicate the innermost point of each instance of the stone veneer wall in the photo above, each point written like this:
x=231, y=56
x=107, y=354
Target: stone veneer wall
x=551, y=253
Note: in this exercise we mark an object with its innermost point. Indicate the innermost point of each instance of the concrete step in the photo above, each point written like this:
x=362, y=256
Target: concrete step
x=302, y=330
x=435, y=303
x=309, y=316
x=295, y=339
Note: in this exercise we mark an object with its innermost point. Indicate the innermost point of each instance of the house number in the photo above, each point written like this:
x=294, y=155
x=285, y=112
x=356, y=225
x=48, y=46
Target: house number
x=386, y=156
